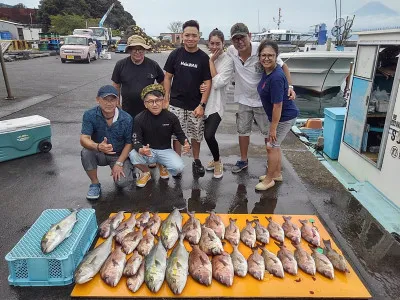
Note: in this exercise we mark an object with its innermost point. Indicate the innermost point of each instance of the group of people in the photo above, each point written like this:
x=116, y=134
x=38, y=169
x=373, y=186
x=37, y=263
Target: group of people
x=185, y=104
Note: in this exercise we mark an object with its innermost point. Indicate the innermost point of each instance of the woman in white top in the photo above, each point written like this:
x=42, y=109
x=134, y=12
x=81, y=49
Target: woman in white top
x=221, y=66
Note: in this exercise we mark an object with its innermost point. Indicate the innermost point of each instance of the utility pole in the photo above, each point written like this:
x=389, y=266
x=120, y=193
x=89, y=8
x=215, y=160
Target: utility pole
x=3, y=67
x=258, y=20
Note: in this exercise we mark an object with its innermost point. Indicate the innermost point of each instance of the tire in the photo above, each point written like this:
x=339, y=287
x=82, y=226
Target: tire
x=45, y=146
x=63, y=60
x=88, y=59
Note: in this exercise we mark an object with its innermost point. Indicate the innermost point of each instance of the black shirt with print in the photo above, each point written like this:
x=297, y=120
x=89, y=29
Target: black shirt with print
x=156, y=130
x=133, y=79
x=190, y=70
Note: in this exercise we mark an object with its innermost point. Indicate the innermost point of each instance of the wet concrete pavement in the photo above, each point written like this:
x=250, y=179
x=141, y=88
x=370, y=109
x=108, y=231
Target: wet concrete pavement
x=56, y=180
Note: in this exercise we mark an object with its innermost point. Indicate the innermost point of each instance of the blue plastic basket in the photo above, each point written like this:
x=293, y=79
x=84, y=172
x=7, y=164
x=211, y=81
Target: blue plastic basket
x=28, y=266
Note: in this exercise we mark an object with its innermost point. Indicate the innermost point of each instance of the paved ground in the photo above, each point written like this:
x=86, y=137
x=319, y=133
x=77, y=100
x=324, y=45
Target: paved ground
x=56, y=180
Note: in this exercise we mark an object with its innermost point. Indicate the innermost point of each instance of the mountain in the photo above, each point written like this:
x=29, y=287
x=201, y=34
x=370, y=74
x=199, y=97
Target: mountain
x=375, y=8
x=5, y=5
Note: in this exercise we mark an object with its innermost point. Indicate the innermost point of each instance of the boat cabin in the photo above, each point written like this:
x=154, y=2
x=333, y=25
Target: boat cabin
x=370, y=146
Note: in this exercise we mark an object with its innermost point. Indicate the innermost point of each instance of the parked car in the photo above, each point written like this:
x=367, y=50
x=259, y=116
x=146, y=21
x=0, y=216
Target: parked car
x=78, y=48
x=121, y=45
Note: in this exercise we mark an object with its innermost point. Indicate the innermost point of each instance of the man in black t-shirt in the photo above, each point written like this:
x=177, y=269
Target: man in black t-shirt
x=132, y=74
x=189, y=67
x=152, y=132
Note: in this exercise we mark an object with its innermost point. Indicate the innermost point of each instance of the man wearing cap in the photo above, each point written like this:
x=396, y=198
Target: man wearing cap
x=152, y=132
x=106, y=138
x=132, y=74
x=248, y=72
x=185, y=70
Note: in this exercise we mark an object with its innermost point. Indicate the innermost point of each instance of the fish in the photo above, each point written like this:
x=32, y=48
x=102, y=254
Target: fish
x=337, y=260
x=113, y=267
x=310, y=233
x=178, y=267
x=125, y=227
x=256, y=265
x=239, y=262
x=134, y=282
x=291, y=230
x=133, y=264
x=222, y=268
x=209, y=242
x=192, y=229
x=155, y=266
x=248, y=235
x=170, y=228
x=132, y=240
x=58, y=232
x=214, y=222
x=154, y=224
x=275, y=230
x=114, y=221
x=304, y=259
x=323, y=264
x=200, y=267
x=143, y=219
x=272, y=263
x=262, y=233
x=94, y=260
x=287, y=258
x=232, y=232
x=146, y=243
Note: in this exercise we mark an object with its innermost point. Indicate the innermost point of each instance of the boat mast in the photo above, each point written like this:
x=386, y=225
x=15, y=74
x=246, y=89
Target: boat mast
x=279, y=21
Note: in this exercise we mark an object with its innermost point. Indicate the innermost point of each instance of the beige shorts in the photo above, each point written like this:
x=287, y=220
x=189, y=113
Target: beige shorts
x=192, y=127
x=245, y=117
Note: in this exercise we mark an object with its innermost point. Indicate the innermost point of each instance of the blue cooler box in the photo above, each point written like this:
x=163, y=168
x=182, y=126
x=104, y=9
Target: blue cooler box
x=24, y=136
x=333, y=127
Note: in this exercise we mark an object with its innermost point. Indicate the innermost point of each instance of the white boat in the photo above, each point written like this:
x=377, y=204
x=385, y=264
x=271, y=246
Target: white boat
x=287, y=40
x=318, y=70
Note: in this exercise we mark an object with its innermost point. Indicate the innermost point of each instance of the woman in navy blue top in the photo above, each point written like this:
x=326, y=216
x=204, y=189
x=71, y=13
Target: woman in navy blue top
x=281, y=111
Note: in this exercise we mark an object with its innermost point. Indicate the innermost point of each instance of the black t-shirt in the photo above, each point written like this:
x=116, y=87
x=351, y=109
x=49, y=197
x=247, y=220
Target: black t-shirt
x=133, y=78
x=156, y=130
x=190, y=70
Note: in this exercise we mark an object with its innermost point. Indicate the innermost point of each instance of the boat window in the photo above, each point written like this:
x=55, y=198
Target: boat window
x=373, y=143
x=365, y=61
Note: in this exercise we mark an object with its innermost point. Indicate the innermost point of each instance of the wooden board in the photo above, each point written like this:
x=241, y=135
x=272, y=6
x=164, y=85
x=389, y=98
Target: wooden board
x=303, y=285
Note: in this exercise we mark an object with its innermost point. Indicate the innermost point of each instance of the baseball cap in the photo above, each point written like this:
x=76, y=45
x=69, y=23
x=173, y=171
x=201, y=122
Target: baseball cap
x=239, y=29
x=152, y=88
x=137, y=40
x=107, y=90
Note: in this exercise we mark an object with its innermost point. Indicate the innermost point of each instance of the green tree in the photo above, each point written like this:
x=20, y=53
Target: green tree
x=65, y=24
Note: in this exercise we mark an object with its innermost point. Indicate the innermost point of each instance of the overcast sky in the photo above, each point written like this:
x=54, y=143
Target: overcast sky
x=155, y=15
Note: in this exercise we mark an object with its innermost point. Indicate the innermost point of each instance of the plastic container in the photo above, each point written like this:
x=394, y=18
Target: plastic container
x=333, y=127
x=28, y=266
x=24, y=136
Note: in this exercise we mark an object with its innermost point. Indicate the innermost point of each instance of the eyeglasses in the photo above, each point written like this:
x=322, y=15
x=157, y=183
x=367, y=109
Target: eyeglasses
x=139, y=50
x=267, y=56
x=240, y=38
x=157, y=101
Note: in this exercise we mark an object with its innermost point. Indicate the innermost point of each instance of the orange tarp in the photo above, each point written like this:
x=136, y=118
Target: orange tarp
x=302, y=286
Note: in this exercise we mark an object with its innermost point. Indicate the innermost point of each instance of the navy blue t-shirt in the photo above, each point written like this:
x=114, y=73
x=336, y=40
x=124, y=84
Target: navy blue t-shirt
x=273, y=88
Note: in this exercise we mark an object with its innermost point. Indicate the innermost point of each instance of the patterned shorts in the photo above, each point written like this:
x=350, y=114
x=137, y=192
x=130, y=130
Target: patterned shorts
x=192, y=127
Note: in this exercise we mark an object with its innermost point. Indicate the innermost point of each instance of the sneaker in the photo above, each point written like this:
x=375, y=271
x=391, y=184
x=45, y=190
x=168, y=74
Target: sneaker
x=152, y=165
x=218, y=170
x=198, y=168
x=94, y=191
x=210, y=166
x=163, y=172
x=240, y=165
x=177, y=176
x=143, y=179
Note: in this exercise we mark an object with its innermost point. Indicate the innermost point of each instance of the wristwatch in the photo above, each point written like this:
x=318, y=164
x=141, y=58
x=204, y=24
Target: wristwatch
x=118, y=163
x=203, y=105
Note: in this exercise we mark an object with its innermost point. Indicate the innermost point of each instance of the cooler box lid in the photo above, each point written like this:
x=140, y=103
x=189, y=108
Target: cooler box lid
x=335, y=113
x=24, y=123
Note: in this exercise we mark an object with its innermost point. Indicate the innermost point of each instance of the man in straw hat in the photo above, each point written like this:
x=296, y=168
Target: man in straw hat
x=152, y=132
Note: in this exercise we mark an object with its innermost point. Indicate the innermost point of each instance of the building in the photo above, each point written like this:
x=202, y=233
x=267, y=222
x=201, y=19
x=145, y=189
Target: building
x=174, y=38
x=19, y=31
x=19, y=15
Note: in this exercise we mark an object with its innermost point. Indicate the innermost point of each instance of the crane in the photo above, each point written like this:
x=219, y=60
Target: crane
x=106, y=15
